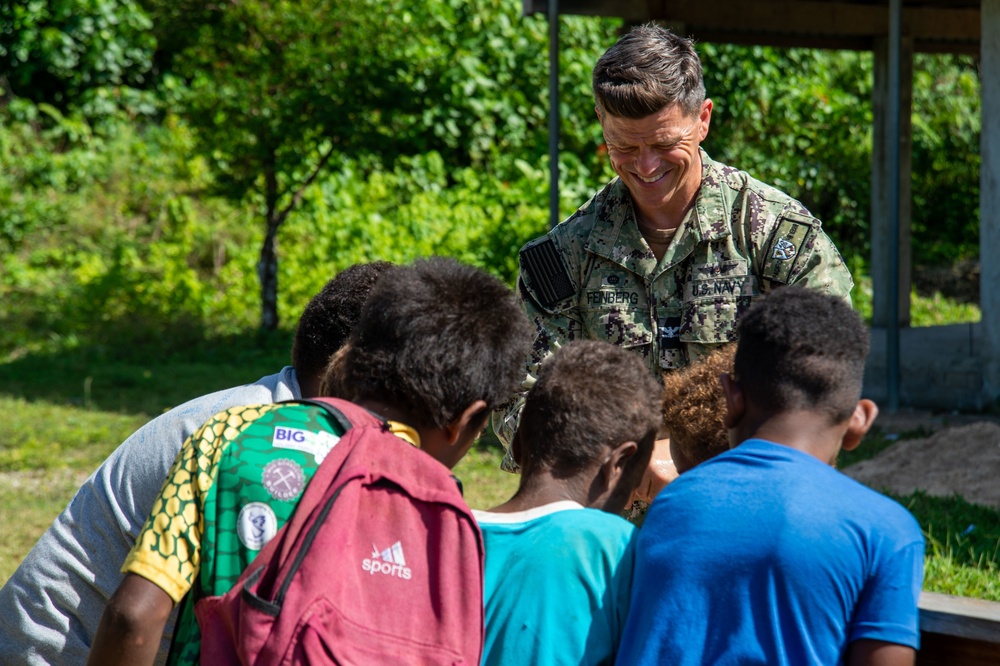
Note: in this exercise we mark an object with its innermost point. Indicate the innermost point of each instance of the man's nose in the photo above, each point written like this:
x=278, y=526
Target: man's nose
x=647, y=162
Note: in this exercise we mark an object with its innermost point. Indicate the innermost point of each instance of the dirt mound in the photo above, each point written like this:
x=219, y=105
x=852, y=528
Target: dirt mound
x=962, y=460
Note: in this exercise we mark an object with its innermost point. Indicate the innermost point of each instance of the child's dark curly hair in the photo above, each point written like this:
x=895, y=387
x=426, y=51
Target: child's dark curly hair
x=434, y=337
x=331, y=315
x=802, y=349
x=694, y=409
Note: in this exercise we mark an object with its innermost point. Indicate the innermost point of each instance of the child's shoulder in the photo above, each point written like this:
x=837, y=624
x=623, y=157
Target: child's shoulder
x=888, y=514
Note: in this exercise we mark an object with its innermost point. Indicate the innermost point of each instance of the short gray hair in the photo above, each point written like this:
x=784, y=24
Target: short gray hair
x=646, y=71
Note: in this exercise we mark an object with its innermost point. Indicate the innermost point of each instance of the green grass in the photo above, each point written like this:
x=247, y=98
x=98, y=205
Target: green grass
x=41, y=436
x=963, y=545
x=934, y=310
x=142, y=381
x=485, y=484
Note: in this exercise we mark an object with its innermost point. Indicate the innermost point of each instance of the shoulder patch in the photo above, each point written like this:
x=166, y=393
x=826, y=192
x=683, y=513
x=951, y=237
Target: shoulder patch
x=547, y=272
x=788, y=244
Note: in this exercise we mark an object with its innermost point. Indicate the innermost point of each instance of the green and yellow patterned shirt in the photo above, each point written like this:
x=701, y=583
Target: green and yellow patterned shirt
x=225, y=498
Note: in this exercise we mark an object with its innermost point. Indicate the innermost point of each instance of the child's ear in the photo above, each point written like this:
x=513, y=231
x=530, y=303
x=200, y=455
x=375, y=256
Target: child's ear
x=468, y=425
x=736, y=405
x=614, y=467
x=861, y=420
x=516, y=447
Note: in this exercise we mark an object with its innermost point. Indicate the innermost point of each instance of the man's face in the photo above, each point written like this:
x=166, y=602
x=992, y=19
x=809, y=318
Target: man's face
x=657, y=157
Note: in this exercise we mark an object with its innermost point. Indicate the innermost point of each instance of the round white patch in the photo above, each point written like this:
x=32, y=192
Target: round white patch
x=256, y=525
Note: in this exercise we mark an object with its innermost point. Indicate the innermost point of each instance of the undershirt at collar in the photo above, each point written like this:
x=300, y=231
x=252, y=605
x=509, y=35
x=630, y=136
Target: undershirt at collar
x=657, y=239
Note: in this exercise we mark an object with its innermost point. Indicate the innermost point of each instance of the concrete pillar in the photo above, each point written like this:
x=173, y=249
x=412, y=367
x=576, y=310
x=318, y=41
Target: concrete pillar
x=881, y=261
x=989, y=196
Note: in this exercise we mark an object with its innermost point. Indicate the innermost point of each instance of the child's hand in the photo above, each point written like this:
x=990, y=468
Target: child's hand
x=659, y=473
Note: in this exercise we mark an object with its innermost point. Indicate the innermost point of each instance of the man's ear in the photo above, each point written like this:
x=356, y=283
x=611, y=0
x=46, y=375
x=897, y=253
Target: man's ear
x=861, y=420
x=736, y=406
x=705, y=118
x=473, y=417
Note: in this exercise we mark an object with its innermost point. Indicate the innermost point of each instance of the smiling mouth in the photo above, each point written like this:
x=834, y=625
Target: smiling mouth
x=651, y=180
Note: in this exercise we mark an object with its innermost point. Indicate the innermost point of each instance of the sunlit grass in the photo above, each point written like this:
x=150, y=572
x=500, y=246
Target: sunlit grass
x=936, y=310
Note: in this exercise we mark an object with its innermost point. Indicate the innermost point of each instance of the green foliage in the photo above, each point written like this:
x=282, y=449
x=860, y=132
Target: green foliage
x=74, y=53
x=800, y=120
x=112, y=233
x=946, y=128
x=406, y=213
x=276, y=88
x=134, y=252
x=933, y=310
x=108, y=238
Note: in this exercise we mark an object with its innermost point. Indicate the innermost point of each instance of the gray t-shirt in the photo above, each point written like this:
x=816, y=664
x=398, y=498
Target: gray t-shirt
x=51, y=606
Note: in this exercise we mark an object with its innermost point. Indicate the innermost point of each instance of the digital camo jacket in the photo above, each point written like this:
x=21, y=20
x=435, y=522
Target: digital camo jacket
x=595, y=277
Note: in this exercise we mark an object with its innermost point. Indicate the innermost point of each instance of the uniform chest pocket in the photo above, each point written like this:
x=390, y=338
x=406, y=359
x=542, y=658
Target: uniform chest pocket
x=713, y=306
x=621, y=318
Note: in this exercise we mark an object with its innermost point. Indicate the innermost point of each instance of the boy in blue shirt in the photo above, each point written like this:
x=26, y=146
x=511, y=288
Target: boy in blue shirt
x=558, y=559
x=766, y=554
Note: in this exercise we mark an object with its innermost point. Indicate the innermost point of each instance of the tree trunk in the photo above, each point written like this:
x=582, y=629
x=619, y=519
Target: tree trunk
x=267, y=265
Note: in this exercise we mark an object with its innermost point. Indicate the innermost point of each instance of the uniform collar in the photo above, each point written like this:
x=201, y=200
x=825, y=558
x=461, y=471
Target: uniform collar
x=617, y=238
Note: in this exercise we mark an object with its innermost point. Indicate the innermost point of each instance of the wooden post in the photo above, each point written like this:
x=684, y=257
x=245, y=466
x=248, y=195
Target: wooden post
x=989, y=196
x=881, y=261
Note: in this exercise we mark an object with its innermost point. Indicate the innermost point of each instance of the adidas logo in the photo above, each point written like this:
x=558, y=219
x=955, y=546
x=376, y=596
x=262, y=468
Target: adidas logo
x=390, y=562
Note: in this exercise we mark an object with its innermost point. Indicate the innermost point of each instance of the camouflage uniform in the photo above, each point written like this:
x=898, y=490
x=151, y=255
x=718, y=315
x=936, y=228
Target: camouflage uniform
x=594, y=276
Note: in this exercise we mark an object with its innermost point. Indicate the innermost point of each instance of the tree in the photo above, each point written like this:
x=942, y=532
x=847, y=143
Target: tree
x=278, y=89
x=62, y=51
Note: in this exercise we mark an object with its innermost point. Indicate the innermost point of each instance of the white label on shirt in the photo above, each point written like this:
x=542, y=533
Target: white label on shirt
x=316, y=443
x=256, y=525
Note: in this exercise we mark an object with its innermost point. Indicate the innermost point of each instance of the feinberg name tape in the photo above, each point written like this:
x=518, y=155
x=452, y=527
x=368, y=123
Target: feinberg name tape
x=316, y=443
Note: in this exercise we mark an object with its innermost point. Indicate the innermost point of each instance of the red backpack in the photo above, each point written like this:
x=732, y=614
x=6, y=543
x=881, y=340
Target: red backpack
x=381, y=562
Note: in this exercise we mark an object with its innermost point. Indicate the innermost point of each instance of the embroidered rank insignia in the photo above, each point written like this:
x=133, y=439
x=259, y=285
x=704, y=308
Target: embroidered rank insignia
x=786, y=251
x=783, y=250
x=546, y=272
x=670, y=333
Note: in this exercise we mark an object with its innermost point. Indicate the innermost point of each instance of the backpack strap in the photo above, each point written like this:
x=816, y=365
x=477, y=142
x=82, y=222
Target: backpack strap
x=345, y=413
x=349, y=416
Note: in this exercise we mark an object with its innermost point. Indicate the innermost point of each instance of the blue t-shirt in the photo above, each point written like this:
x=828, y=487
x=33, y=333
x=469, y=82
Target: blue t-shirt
x=557, y=585
x=766, y=555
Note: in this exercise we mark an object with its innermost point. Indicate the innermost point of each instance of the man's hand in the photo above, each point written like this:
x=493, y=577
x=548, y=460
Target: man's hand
x=659, y=473
x=132, y=625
